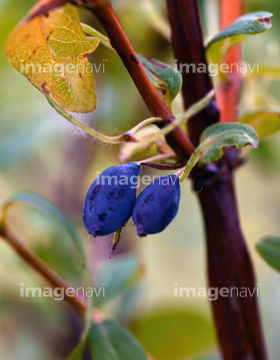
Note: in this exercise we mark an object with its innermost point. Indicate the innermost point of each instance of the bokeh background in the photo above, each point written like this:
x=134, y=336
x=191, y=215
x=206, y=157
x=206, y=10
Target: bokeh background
x=41, y=152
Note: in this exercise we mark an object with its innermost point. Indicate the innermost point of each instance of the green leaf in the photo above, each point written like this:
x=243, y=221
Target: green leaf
x=110, y=341
x=34, y=200
x=118, y=275
x=269, y=249
x=173, y=333
x=88, y=30
x=51, y=52
x=165, y=78
x=218, y=136
x=77, y=352
x=249, y=24
x=266, y=121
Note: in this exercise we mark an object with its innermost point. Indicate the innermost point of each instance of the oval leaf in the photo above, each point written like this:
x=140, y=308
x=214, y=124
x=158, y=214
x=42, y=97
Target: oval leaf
x=118, y=275
x=173, y=333
x=266, y=122
x=51, y=52
x=165, y=78
x=225, y=135
x=110, y=341
x=269, y=249
x=249, y=24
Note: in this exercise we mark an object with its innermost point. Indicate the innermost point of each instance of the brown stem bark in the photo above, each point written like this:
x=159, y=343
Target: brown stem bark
x=188, y=48
x=230, y=267
x=236, y=318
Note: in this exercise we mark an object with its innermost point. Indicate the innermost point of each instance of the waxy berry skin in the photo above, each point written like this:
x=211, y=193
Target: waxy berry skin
x=110, y=199
x=157, y=205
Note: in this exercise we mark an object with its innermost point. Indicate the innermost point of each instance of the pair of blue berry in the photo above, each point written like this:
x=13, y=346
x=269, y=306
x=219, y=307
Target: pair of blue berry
x=111, y=200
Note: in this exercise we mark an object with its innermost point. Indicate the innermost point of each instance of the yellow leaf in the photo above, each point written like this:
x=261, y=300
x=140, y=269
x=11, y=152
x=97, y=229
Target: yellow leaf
x=50, y=50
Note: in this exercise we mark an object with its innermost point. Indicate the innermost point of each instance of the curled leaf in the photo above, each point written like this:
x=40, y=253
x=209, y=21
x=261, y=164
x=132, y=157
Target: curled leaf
x=248, y=24
x=165, y=78
x=226, y=135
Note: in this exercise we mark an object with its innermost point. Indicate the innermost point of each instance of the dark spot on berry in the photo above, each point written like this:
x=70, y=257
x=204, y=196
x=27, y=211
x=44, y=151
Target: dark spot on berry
x=94, y=193
x=149, y=199
x=139, y=218
x=102, y=216
x=117, y=193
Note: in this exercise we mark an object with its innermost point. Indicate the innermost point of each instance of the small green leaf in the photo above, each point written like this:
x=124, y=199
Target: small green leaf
x=266, y=121
x=249, y=24
x=173, y=333
x=118, y=275
x=34, y=200
x=50, y=51
x=77, y=353
x=110, y=341
x=165, y=78
x=88, y=30
x=269, y=249
x=225, y=135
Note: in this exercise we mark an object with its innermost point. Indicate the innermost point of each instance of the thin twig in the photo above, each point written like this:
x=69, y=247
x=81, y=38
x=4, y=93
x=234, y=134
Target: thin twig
x=43, y=269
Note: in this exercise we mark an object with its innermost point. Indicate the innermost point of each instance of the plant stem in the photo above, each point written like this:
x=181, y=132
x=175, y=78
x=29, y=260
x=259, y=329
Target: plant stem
x=188, y=48
x=78, y=303
x=177, y=139
x=228, y=92
x=237, y=318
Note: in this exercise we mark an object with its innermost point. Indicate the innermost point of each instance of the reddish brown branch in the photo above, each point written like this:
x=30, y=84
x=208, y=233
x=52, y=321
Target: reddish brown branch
x=188, y=48
x=119, y=40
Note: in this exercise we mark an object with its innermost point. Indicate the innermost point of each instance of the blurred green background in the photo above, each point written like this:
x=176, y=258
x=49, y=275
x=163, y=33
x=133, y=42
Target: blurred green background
x=41, y=152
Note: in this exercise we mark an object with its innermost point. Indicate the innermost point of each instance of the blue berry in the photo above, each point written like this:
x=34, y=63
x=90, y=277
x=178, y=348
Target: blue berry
x=157, y=205
x=110, y=199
